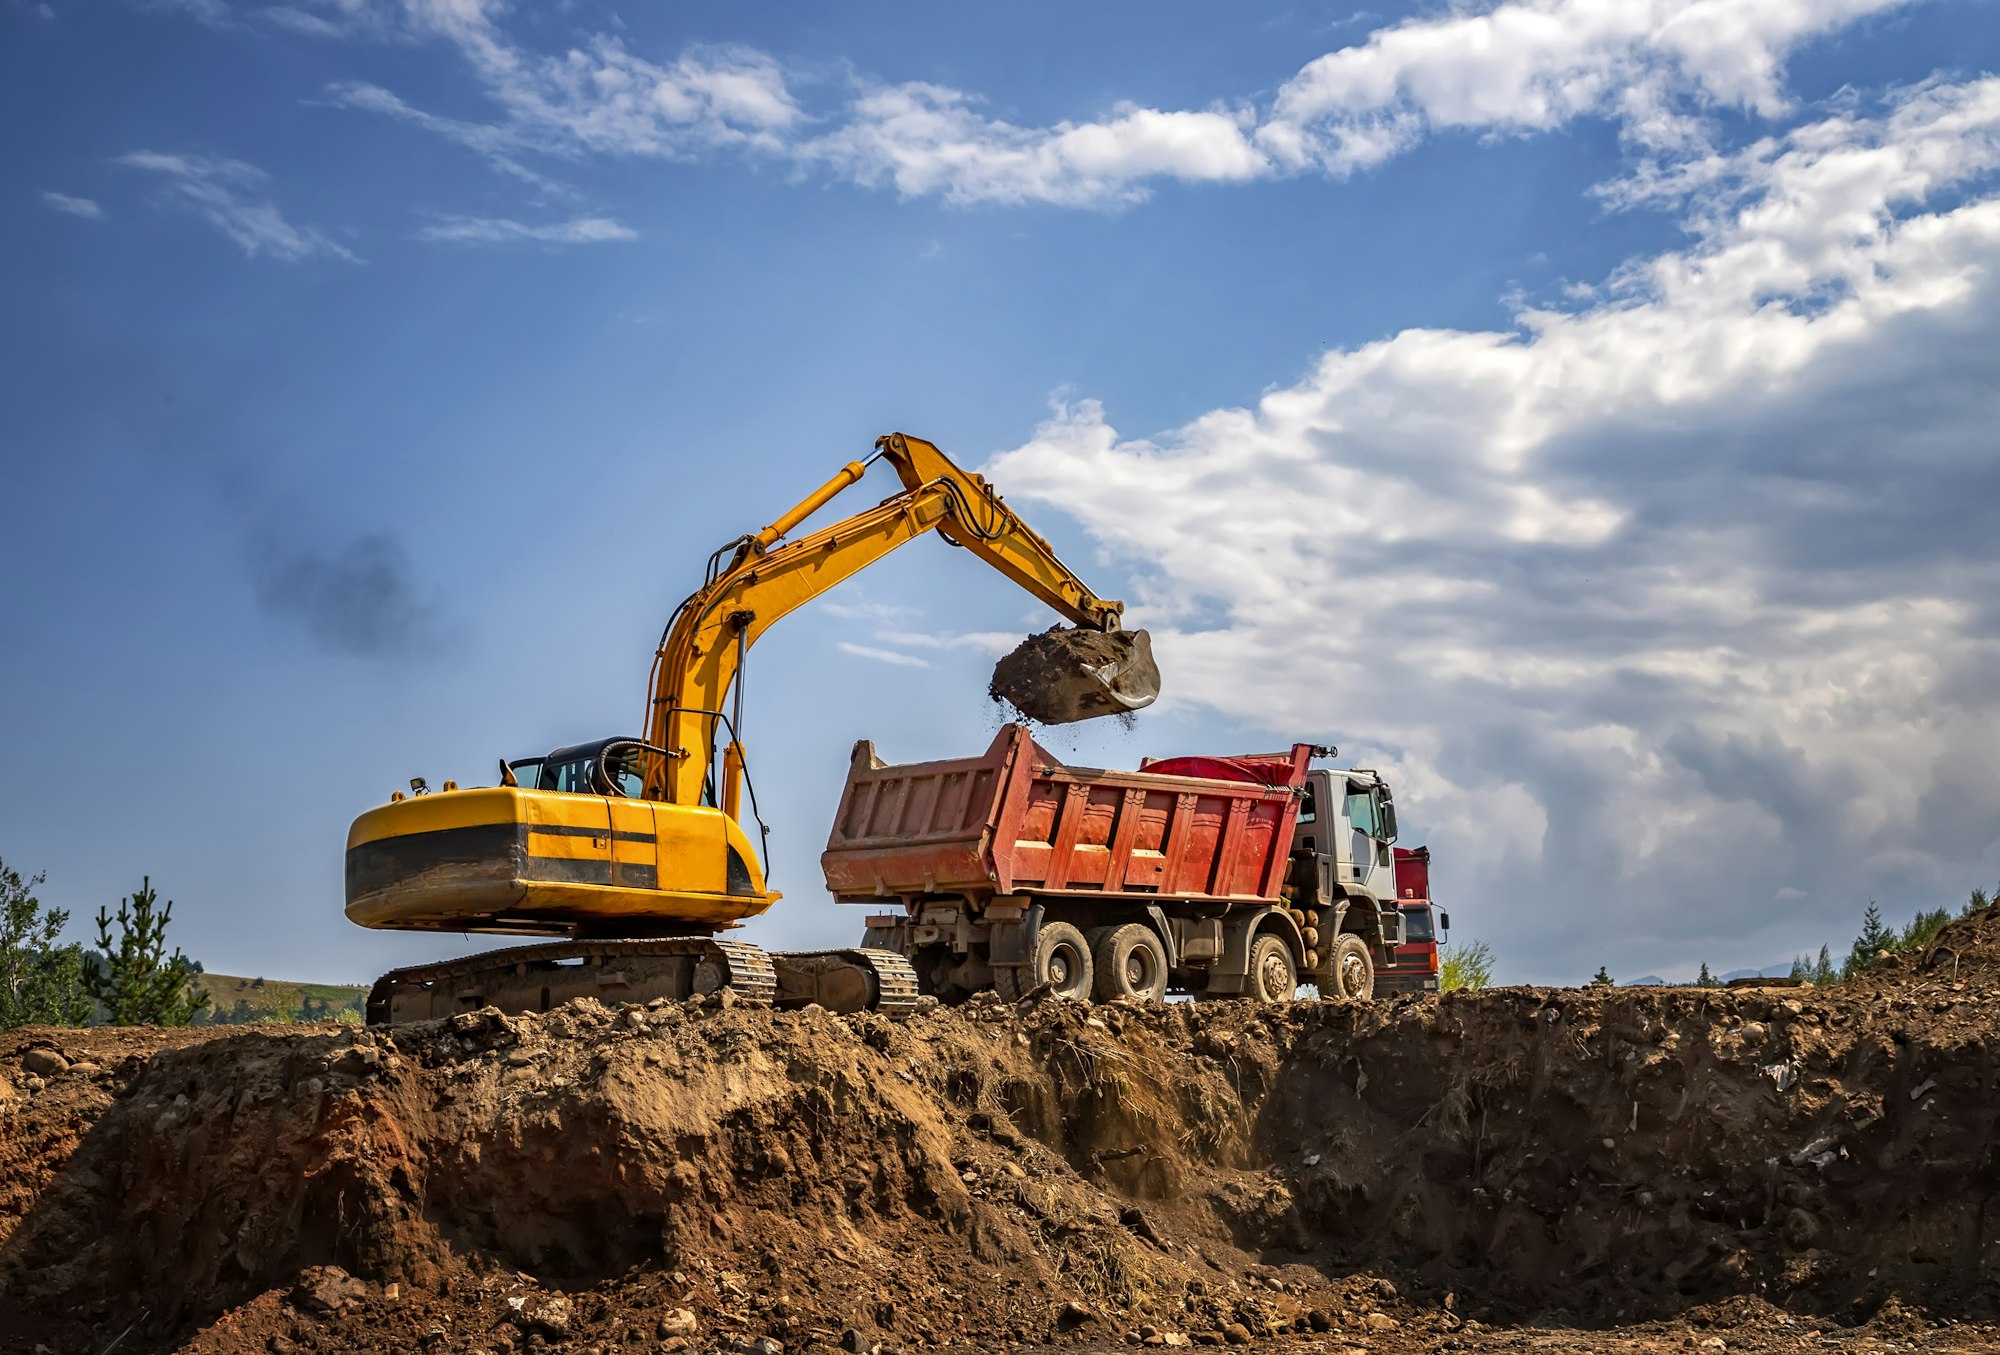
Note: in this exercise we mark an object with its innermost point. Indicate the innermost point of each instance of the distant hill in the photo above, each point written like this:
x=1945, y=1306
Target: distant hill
x=234, y=1001
x=1655, y=981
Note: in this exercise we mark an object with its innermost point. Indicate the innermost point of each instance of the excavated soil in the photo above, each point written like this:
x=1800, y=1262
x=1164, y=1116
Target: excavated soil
x=1635, y=1170
x=1048, y=677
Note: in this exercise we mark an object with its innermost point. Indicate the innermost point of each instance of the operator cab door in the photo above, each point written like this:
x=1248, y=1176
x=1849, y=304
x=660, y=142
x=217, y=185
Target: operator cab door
x=1370, y=822
x=635, y=861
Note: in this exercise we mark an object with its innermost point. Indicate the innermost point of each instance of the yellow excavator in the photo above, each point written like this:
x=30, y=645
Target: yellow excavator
x=634, y=850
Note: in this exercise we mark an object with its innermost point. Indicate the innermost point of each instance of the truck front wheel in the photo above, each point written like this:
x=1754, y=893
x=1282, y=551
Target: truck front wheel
x=1353, y=970
x=1061, y=960
x=1129, y=962
x=1274, y=977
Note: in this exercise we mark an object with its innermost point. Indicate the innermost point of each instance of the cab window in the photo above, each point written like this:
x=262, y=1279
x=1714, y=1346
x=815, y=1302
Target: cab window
x=571, y=777
x=1309, y=805
x=1417, y=926
x=1361, y=812
x=623, y=767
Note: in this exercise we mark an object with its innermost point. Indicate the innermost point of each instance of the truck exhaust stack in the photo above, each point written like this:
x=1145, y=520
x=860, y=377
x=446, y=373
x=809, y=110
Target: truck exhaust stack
x=1068, y=674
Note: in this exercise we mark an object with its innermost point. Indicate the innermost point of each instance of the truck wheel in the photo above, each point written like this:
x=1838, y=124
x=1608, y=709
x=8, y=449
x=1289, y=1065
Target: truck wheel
x=1273, y=975
x=1129, y=962
x=1061, y=960
x=1352, y=970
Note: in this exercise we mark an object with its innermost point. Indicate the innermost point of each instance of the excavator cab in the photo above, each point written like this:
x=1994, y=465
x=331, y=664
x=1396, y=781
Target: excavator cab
x=602, y=767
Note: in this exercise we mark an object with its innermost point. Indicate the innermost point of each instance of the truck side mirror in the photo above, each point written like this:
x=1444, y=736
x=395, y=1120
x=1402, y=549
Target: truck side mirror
x=1388, y=820
x=1444, y=921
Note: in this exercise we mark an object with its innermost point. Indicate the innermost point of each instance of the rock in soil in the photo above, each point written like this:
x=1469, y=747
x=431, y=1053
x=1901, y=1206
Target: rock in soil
x=1520, y=1169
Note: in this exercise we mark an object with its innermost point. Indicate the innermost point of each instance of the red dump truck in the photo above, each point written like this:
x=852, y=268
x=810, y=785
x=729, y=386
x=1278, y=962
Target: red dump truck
x=1203, y=875
x=1414, y=969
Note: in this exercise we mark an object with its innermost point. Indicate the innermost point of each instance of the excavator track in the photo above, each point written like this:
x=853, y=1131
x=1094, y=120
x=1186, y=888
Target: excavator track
x=535, y=978
x=861, y=978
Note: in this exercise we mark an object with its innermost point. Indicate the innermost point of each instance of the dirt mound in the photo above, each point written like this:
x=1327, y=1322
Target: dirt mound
x=1067, y=674
x=1963, y=959
x=681, y=1176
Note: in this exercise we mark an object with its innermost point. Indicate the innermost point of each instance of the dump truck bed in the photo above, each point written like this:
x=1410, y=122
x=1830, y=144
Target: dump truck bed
x=1017, y=821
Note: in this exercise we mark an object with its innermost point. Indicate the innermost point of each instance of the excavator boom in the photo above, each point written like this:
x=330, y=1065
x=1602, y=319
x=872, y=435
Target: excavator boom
x=702, y=652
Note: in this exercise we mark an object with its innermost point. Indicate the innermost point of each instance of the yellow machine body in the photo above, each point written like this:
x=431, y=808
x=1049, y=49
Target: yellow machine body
x=667, y=855
x=546, y=863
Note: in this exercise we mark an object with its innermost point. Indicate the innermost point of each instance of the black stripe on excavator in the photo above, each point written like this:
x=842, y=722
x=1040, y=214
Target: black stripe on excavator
x=490, y=851
x=571, y=830
x=594, y=871
x=487, y=851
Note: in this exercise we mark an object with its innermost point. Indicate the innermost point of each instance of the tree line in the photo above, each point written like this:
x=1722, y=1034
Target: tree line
x=1876, y=942
x=127, y=979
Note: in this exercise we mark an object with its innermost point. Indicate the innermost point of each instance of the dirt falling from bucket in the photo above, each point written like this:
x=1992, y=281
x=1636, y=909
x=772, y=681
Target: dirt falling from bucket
x=1068, y=674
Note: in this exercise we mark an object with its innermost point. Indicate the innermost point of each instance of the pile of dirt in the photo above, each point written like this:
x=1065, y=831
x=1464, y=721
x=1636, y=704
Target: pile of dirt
x=1400, y=1175
x=1064, y=675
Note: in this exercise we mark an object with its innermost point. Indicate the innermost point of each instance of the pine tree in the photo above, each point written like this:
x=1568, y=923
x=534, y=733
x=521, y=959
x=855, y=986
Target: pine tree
x=1706, y=979
x=1601, y=979
x=1976, y=903
x=1874, y=938
x=138, y=983
x=1823, y=971
x=1922, y=930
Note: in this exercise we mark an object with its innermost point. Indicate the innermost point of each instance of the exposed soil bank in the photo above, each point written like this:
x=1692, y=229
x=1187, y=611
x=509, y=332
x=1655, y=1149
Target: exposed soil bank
x=1771, y=1161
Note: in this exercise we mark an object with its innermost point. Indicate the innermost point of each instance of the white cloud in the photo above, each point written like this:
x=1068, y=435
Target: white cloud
x=583, y=230
x=499, y=147
x=600, y=98
x=218, y=189
x=1661, y=605
x=1655, y=67
x=891, y=656
x=926, y=139
x=63, y=202
x=1532, y=65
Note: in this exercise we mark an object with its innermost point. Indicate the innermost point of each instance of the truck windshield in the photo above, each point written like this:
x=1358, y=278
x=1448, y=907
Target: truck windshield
x=1417, y=926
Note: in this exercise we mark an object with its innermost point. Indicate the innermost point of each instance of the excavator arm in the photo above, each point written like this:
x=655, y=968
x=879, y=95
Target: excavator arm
x=701, y=655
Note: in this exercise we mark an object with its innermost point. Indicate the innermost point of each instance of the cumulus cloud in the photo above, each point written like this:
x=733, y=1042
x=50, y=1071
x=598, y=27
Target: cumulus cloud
x=929, y=140
x=223, y=192
x=1532, y=65
x=1655, y=67
x=1675, y=606
x=69, y=206
x=585, y=230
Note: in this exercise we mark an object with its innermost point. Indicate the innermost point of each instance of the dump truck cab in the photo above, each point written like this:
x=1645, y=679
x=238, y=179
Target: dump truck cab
x=1347, y=829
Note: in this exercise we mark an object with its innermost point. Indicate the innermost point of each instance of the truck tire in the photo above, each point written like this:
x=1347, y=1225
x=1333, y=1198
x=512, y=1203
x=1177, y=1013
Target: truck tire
x=1274, y=975
x=1061, y=960
x=1351, y=970
x=1129, y=961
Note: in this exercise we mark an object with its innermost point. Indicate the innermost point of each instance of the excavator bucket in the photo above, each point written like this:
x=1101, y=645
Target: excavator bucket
x=1065, y=675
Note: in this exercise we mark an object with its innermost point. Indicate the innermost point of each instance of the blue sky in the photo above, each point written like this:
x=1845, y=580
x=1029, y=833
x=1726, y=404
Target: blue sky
x=1587, y=419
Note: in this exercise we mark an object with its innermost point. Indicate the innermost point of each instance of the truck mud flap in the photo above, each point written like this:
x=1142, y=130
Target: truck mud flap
x=1013, y=943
